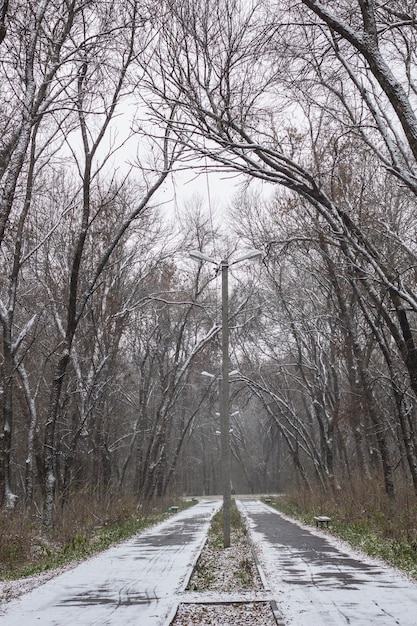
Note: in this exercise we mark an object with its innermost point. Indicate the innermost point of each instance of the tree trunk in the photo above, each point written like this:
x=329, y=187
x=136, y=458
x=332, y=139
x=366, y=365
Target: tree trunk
x=49, y=441
x=7, y=498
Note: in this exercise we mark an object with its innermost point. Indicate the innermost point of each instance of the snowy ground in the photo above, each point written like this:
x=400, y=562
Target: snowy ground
x=136, y=582
x=310, y=578
x=13, y=589
x=237, y=614
x=226, y=588
x=318, y=580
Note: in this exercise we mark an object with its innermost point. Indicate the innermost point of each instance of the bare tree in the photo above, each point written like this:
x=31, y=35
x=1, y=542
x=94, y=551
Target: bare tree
x=310, y=97
x=74, y=74
x=221, y=67
x=326, y=338
x=3, y=18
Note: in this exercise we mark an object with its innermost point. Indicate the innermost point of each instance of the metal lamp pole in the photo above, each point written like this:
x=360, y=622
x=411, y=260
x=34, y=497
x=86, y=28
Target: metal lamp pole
x=224, y=395
x=224, y=406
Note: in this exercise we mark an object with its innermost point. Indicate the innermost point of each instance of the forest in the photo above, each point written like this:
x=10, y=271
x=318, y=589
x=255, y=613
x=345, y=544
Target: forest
x=308, y=111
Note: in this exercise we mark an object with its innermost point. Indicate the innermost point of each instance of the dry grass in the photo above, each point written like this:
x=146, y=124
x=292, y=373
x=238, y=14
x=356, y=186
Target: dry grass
x=86, y=525
x=365, y=517
x=361, y=501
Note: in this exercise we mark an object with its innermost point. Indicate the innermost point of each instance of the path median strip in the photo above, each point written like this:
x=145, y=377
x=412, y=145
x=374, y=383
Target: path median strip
x=226, y=585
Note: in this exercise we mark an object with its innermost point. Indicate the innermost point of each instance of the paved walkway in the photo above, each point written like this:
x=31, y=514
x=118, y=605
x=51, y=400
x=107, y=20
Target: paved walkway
x=317, y=582
x=136, y=582
x=311, y=578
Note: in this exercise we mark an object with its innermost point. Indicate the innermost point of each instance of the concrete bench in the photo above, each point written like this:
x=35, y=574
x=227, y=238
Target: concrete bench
x=322, y=520
x=173, y=509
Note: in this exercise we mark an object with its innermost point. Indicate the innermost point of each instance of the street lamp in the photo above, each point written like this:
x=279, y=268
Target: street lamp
x=224, y=395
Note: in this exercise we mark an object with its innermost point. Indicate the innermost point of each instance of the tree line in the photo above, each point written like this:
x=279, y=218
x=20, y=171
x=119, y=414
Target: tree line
x=106, y=325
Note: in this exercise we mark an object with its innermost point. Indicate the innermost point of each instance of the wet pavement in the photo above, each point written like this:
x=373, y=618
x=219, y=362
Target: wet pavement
x=317, y=581
x=136, y=582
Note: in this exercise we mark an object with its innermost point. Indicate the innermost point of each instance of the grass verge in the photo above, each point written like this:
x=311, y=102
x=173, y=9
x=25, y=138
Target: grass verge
x=27, y=548
x=371, y=523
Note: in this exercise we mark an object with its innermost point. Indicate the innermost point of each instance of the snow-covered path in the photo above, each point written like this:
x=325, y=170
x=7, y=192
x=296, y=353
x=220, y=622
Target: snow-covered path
x=313, y=579
x=317, y=581
x=136, y=582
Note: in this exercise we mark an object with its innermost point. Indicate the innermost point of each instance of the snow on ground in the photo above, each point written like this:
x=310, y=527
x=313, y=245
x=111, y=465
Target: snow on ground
x=226, y=589
x=13, y=589
x=316, y=579
x=136, y=582
x=238, y=614
x=312, y=578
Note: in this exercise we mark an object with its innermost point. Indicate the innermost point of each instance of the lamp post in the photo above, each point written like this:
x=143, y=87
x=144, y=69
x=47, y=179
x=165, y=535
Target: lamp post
x=224, y=393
